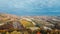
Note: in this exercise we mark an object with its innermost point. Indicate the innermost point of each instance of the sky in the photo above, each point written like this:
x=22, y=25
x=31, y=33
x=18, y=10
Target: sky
x=30, y=7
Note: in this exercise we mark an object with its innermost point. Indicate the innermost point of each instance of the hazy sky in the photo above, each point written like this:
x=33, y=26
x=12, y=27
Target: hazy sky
x=30, y=7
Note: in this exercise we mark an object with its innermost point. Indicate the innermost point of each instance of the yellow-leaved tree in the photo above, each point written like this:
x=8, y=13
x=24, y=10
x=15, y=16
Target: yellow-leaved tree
x=7, y=32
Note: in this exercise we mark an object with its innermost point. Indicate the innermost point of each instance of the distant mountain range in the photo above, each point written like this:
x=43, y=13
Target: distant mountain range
x=32, y=13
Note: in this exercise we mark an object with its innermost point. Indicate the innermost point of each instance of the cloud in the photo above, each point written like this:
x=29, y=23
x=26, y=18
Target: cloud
x=30, y=5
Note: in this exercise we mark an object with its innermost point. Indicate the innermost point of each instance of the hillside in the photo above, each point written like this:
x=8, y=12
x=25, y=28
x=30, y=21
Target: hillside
x=8, y=21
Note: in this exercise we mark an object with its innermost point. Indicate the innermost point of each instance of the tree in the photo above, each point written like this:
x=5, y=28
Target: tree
x=7, y=32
